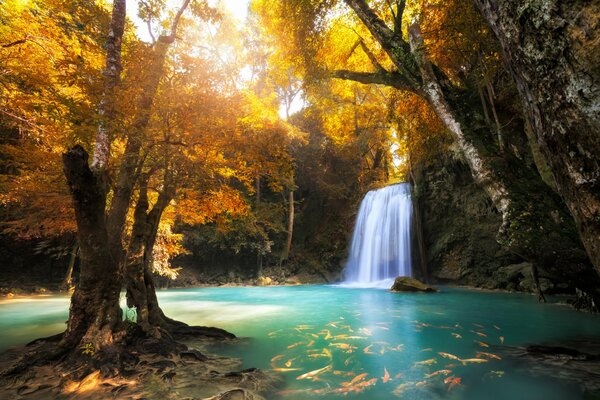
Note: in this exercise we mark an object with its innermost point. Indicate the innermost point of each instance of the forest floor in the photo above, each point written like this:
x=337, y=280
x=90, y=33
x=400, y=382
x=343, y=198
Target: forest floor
x=191, y=373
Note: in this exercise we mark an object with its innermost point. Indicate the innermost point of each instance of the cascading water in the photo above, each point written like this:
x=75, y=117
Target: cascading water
x=381, y=243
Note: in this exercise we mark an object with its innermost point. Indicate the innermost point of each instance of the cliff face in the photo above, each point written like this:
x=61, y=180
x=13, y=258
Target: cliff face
x=460, y=226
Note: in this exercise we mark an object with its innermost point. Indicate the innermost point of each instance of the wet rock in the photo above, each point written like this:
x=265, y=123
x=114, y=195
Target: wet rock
x=408, y=284
x=235, y=394
x=168, y=377
x=264, y=281
x=192, y=355
x=163, y=365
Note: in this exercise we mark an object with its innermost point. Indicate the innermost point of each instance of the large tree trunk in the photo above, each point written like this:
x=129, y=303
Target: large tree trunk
x=535, y=225
x=95, y=314
x=552, y=49
x=140, y=286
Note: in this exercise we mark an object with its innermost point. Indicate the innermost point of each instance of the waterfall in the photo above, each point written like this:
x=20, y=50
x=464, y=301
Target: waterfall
x=381, y=243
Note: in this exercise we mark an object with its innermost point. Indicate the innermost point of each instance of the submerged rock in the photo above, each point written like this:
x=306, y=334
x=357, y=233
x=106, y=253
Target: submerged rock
x=408, y=284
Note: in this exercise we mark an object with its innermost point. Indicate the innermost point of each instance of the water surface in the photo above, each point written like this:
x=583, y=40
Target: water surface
x=350, y=332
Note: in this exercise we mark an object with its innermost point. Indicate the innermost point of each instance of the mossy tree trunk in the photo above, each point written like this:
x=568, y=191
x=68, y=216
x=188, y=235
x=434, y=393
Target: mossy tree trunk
x=552, y=49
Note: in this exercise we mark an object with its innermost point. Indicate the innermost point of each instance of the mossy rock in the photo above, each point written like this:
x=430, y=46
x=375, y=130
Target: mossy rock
x=408, y=284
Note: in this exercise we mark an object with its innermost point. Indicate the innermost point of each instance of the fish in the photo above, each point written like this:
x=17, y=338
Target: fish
x=458, y=326
x=501, y=339
x=439, y=372
x=448, y=355
x=314, y=335
x=367, y=350
x=400, y=347
x=310, y=343
x=344, y=336
x=385, y=328
x=456, y=335
x=398, y=375
x=277, y=357
x=473, y=361
x=332, y=323
x=366, y=331
x=291, y=346
x=343, y=346
x=348, y=361
x=356, y=337
x=497, y=374
x=382, y=350
x=327, y=334
x=370, y=382
x=488, y=355
x=343, y=373
x=431, y=361
x=422, y=383
x=479, y=333
x=286, y=369
x=482, y=344
x=427, y=349
x=303, y=327
x=478, y=325
x=316, y=372
x=288, y=363
x=274, y=332
x=453, y=382
x=496, y=327
x=356, y=379
x=386, y=376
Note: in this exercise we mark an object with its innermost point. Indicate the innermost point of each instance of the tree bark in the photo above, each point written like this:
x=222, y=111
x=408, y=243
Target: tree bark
x=68, y=281
x=95, y=314
x=552, y=51
x=140, y=286
x=112, y=76
x=290, y=230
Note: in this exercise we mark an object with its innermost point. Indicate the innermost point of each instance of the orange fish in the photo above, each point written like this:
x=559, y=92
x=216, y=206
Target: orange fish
x=427, y=349
x=440, y=372
x=448, y=355
x=454, y=382
x=479, y=333
x=356, y=379
x=386, y=375
x=367, y=350
x=431, y=361
x=398, y=375
x=482, y=344
x=370, y=382
x=473, y=360
x=456, y=335
x=291, y=346
x=277, y=357
x=288, y=363
x=422, y=383
x=488, y=355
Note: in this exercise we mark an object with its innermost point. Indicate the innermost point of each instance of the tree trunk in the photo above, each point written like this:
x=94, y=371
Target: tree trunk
x=552, y=50
x=68, y=281
x=95, y=314
x=140, y=287
x=290, y=230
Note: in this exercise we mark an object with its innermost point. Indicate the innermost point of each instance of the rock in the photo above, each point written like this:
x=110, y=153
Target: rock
x=192, y=355
x=408, y=284
x=235, y=394
x=264, y=281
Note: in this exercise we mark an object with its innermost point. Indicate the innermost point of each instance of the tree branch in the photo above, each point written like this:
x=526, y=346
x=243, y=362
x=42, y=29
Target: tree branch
x=392, y=79
x=171, y=37
x=397, y=49
x=371, y=56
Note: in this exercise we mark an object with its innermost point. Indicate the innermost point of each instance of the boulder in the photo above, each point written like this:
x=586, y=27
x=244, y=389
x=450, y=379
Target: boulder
x=408, y=284
x=264, y=281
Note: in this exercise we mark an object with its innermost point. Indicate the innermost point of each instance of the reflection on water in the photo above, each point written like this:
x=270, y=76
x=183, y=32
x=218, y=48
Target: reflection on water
x=364, y=343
